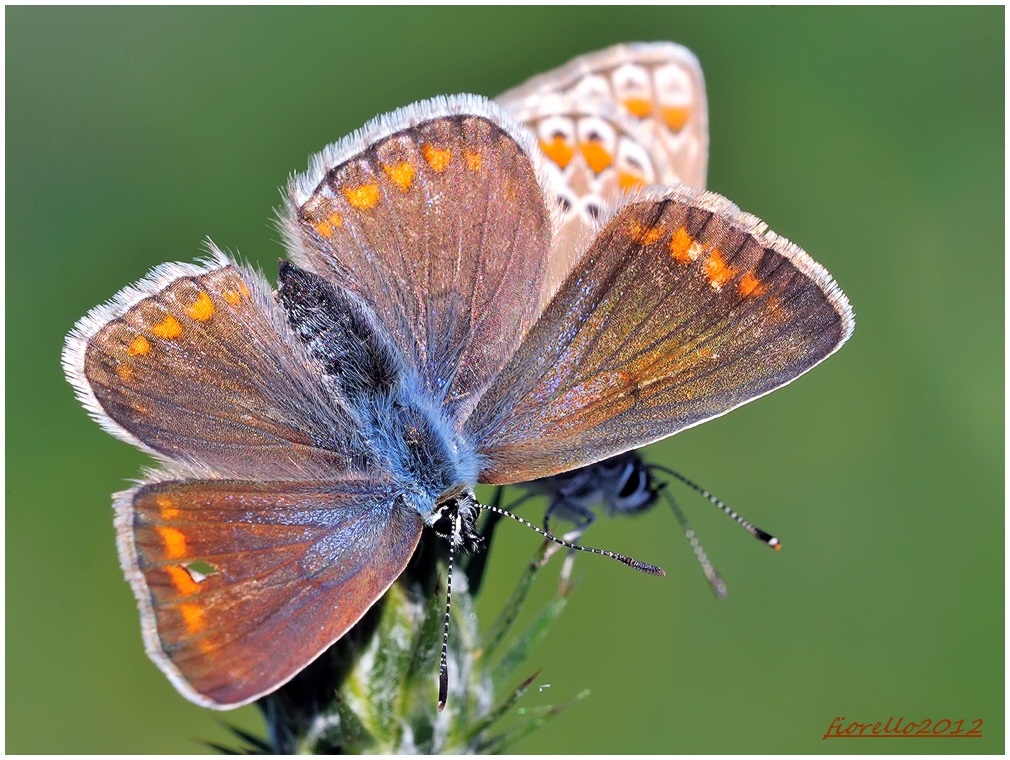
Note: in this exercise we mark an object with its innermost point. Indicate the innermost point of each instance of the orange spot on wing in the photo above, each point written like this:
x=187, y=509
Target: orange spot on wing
x=363, y=196
x=125, y=372
x=182, y=580
x=139, y=347
x=645, y=235
x=596, y=155
x=437, y=159
x=167, y=508
x=192, y=616
x=750, y=285
x=558, y=150
x=402, y=175
x=629, y=181
x=232, y=297
x=675, y=117
x=168, y=328
x=683, y=247
x=243, y=289
x=639, y=107
x=473, y=160
x=175, y=542
x=719, y=272
x=203, y=309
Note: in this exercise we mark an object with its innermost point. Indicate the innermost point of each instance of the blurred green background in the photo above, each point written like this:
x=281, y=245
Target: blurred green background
x=872, y=137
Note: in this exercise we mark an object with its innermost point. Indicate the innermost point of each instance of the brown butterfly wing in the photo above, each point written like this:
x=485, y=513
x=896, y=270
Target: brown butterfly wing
x=195, y=364
x=681, y=310
x=435, y=216
x=242, y=584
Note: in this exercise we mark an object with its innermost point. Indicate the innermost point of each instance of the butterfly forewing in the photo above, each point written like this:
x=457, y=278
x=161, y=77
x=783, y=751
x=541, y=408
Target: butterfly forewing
x=608, y=123
x=441, y=226
x=197, y=366
x=681, y=310
x=242, y=584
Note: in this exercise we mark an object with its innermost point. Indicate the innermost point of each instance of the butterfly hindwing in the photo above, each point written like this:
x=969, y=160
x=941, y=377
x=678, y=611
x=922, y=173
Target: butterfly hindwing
x=682, y=309
x=611, y=122
x=435, y=216
x=196, y=365
x=242, y=584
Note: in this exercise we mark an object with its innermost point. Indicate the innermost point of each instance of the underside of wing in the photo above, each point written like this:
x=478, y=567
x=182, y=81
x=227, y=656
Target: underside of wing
x=682, y=310
x=611, y=122
x=241, y=585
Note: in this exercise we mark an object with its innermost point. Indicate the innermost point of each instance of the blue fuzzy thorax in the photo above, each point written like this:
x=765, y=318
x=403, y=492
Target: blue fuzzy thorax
x=402, y=429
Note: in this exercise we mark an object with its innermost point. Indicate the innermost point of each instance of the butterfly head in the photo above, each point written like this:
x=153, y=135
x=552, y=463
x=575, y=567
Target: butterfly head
x=455, y=519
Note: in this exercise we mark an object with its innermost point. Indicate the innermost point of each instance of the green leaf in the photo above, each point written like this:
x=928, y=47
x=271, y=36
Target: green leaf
x=520, y=651
x=495, y=715
x=507, y=617
x=502, y=741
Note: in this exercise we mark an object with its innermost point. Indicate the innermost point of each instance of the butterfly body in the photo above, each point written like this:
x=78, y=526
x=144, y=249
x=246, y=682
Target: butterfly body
x=620, y=485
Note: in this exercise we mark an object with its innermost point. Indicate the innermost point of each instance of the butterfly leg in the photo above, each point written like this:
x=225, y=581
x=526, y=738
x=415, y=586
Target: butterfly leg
x=582, y=518
x=476, y=563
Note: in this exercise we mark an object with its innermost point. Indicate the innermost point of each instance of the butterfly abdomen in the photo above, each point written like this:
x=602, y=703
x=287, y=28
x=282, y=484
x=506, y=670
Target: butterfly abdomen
x=339, y=334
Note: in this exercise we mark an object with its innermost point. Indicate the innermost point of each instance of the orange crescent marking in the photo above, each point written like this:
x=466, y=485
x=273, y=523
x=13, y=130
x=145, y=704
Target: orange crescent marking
x=139, y=347
x=437, y=159
x=675, y=117
x=362, y=197
x=596, y=155
x=203, y=309
x=192, y=615
x=683, y=247
x=719, y=272
x=645, y=235
x=473, y=160
x=639, y=107
x=750, y=285
x=402, y=175
x=175, y=542
x=125, y=372
x=232, y=297
x=558, y=150
x=168, y=328
x=167, y=508
x=182, y=580
x=629, y=181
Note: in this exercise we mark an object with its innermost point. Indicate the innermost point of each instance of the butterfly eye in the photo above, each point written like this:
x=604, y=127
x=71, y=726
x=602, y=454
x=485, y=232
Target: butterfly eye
x=632, y=484
x=443, y=523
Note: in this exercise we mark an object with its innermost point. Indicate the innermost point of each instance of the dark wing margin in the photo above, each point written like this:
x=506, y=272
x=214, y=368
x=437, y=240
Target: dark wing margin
x=240, y=585
x=196, y=365
x=437, y=216
x=682, y=309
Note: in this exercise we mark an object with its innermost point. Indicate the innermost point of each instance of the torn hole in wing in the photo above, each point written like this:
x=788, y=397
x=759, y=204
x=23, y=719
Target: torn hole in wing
x=200, y=570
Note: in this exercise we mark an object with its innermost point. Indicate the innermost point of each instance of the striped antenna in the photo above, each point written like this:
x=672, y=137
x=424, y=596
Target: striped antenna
x=645, y=567
x=760, y=535
x=443, y=667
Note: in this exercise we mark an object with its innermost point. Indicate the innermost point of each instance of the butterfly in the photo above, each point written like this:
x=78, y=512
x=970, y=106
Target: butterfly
x=610, y=122
x=306, y=435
